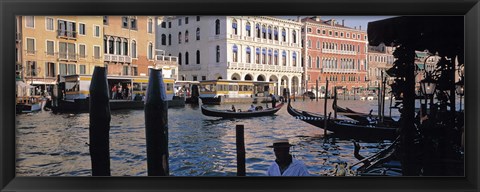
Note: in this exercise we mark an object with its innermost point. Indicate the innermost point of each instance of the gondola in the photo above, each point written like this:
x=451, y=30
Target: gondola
x=363, y=118
x=343, y=128
x=239, y=114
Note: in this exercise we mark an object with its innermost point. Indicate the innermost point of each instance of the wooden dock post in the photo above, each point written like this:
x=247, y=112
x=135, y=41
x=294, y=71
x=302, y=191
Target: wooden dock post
x=156, y=125
x=316, y=86
x=335, y=101
x=241, y=171
x=325, y=111
x=99, y=128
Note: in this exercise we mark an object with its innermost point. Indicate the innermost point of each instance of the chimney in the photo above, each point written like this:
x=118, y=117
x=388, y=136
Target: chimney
x=332, y=22
x=343, y=22
x=317, y=18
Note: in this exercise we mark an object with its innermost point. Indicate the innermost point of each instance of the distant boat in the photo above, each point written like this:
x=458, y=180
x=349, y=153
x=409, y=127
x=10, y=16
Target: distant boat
x=343, y=128
x=240, y=114
x=364, y=118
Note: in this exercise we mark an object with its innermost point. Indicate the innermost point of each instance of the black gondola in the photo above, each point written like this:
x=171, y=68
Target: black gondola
x=363, y=118
x=343, y=128
x=239, y=114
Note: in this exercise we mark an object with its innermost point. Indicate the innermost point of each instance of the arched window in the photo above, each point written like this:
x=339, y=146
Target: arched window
x=275, y=34
x=257, y=55
x=248, y=55
x=217, y=28
x=186, y=36
x=248, y=29
x=186, y=58
x=234, y=53
x=218, y=53
x=134, y=49
x=164, y=39
x=309, y=61
x=318, y=62
x=150, y=26
x=179, y=37
x=110, y=45
x=264, y=31
x=105, y=45
x=198, y=34
x=294, y=36
x=180, y=58
x=284, y=58
x=198, y=56
x=294, y=59
x=257, y=27
x=118, y=45
x=169, y=39
x=150, y=51
x=125, y=47
x=264, y=56
x=284, y=35
x=269, y=32
x=234, y=27
x=270, y=57
x=275, y=57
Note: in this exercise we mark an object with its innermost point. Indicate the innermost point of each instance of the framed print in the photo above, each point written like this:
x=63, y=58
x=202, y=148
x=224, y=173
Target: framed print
x=212, y=95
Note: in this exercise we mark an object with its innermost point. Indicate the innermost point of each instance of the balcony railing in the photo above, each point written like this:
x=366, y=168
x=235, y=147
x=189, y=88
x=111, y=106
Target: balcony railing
x=166, y=60
x=66, y=34
x=67, y=56
x=117, y=58
x=263, y=67
x=334, y=51
x=332, y=70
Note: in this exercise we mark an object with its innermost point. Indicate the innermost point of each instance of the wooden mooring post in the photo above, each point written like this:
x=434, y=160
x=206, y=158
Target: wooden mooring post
x=156, y=125
x=316, y=87
x=241, y=171
x=325, y=112
x=99, y=128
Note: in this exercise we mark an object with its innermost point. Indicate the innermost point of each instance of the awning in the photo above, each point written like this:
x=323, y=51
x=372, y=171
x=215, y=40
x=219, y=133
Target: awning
x=23, y=84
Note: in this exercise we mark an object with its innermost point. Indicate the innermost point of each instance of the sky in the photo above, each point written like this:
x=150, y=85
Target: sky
x=350, y=21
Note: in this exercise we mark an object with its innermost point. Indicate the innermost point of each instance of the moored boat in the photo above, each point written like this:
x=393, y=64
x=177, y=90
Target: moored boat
x=240, y=114
x=343, y=128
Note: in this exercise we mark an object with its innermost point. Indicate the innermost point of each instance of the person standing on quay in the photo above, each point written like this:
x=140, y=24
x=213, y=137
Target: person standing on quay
x=285, y=164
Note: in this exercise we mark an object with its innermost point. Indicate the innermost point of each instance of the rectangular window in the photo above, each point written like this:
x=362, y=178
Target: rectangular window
x=133, y=23
x=194, y=77
x=49, y=69
x=49, y=23
x=125, y=70
x=164, y=24
x=97, y=31
x=30, y=21
x=67, y=51
x=71, y=51
x=170, y=24
x=204, y=78
x=105, y=20
x=125, y=22
x=198, y=18
x=31, y=68
x=82, y=51
x=63, y=69
x=83, y=69
x=30, y=46
x=81, y=29
x=179, y=22
x=135, y=71
x=186, y=20
x=50, y=48
x=72, y=69
x=67, y=29
x=96, y=52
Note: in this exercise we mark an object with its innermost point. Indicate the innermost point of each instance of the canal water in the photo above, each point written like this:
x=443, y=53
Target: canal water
x=51, y=144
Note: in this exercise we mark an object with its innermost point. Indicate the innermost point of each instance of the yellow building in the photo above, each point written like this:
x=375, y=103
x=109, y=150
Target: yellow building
x=48, y=46
x=129, y=44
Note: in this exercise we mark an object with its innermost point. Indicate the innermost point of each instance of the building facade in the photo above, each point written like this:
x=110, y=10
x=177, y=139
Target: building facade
x=254, y=48
x=129, y=44
x=48, y=46
x=380, y=58
x=335, y=53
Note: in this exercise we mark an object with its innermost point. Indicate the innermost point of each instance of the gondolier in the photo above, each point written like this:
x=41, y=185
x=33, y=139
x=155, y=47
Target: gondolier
x=285, y=164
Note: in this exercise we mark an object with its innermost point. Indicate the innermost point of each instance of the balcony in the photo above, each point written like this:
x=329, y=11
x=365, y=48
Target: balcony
x=334, y=51
x=117, y=58
x=332, y=70
x=215, y=37
x=236, y=37
x=163, y=60
x=67, y=56
x=263, y=67
x=66, y=34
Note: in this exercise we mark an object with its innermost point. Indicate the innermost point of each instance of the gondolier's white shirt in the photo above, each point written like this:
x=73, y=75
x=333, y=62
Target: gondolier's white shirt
x=296, y=168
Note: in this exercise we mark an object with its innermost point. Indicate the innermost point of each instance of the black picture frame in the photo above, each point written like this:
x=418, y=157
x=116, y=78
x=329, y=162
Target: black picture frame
x=9, y=8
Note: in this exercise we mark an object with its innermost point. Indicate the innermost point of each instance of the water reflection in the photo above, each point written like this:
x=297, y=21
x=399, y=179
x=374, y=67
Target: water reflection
x=57, y=144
